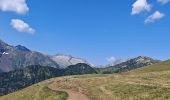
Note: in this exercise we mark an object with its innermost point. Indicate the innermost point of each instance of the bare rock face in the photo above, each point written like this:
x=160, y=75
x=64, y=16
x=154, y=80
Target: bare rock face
x=67, y=60
x=15, y=57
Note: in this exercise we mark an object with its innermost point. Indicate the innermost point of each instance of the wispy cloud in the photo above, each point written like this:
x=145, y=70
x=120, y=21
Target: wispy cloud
x=163, y=1
x=18, y=6
x=155, y=16
x=21, y=26
x=140, y=6
x=111, y=59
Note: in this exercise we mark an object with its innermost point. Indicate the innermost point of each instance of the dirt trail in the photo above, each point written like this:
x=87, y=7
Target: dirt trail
x=73, y=95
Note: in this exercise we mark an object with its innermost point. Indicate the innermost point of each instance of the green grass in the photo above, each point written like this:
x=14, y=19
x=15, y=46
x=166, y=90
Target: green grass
x=142, y=92
x=164, y=66
x=48, y=94
x=148, y=83
x=36, y=92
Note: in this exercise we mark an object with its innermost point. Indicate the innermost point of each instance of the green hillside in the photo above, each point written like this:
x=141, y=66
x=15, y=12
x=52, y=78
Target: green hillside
x=164, y=66
x=148, y=83
x=36, y=92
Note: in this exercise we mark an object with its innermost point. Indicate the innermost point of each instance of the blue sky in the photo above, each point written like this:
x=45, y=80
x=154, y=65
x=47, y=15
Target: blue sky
x=91, y=29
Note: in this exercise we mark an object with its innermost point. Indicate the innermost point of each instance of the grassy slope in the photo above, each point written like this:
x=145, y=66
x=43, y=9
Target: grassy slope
x=155, y=68
x=38, y=91
x=149, y=83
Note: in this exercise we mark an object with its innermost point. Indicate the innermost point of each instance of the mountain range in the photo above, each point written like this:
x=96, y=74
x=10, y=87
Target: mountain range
x=16, y=57
x=21, y=67
x=24, y=77
x=128, y=65
x=146, y=83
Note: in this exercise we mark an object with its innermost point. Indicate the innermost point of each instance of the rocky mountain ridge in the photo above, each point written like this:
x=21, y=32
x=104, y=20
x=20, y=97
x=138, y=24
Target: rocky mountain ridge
x=16, y=57
x=67, y=60
x=128, y=65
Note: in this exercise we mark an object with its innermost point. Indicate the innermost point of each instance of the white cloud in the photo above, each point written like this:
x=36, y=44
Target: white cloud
x=155, y=16
x=140, y=6
x=163, y=1
x=18, y=6
x=21, y=26
x=111, y=59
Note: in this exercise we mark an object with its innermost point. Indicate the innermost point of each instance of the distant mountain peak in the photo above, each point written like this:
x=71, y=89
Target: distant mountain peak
x=145, y=59
x=130, y=64
x=22, y=48
x=2, y=42
x=16, y=57
x=66, y=60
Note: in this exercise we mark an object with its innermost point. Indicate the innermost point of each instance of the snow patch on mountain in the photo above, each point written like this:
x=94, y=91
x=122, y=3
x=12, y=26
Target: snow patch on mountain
x=5, y=53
